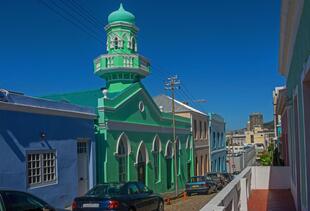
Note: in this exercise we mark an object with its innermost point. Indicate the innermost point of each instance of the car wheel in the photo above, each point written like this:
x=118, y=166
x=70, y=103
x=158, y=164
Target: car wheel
x=160, y=206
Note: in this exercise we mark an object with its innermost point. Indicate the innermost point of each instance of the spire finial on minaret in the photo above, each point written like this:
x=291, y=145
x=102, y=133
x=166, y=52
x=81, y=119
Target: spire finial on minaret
x=121, y=7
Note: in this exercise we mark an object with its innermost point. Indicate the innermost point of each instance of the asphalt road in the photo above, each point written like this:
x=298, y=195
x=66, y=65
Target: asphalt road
x=195, y=202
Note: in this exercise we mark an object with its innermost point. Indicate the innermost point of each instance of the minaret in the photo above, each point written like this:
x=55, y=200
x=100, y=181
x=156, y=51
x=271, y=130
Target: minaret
x=122, y=65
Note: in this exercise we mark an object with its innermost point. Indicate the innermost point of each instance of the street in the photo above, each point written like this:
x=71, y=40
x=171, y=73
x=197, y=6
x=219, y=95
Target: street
x=195, y=202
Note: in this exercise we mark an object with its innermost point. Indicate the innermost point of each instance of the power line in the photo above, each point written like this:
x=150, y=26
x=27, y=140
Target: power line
x=68, y=12
x=80, y=26
x=88, y=12
x=85, y=17
x=186, y=92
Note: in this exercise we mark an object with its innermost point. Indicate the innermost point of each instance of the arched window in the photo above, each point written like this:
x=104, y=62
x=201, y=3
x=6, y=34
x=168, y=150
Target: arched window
x=169, y=156
x=122, y=152
x=122, y=162
x=222, y=140
x=133, y=44
x=169, y=150
x=156, y=161
x=215, y=166
x=115, y=43
x=141, y=159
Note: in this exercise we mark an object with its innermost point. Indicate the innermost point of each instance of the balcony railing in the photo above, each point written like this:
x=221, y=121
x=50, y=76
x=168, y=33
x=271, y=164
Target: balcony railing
x=115, y=61
x=236, y=194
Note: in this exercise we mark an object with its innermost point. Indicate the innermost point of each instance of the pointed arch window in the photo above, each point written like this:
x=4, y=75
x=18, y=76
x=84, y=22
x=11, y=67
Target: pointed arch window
x=115, y=43
x=122, y=152
x=142, y=158
x=213, y=140
x=156, y=161
x=133, y=44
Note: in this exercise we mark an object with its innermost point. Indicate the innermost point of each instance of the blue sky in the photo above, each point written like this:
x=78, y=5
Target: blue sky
x=223, y=51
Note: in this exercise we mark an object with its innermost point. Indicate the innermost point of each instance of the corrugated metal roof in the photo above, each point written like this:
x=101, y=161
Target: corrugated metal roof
x=24, y=100
x=164, y=102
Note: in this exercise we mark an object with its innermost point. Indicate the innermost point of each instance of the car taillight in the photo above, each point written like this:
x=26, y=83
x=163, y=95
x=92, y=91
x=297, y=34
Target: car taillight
x=74, y=205
x=112, y=204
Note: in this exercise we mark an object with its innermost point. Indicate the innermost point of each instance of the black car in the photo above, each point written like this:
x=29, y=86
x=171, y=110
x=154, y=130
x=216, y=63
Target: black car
x=228, y=177
x=20, y=201
x=218, y=179
x=200, y=184
x=129, y=196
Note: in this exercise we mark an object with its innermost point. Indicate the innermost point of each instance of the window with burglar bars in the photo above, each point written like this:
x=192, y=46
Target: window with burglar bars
x=41, y=168
x=81, y=147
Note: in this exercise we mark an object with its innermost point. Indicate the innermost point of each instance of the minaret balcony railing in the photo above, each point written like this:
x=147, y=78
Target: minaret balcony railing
x=121, y=61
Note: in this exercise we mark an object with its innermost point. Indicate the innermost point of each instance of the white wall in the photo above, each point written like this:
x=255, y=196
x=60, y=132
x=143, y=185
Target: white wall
x=270, y=177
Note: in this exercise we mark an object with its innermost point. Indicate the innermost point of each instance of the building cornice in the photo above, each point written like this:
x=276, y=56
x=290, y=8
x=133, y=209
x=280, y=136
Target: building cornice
x=121, y=24
x=135, y=127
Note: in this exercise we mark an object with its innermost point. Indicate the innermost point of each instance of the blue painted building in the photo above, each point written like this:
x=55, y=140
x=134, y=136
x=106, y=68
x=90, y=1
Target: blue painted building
x=47, y=148
x=217, y=143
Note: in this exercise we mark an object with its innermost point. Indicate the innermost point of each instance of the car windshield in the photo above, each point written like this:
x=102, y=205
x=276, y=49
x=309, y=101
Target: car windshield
x=106, y=190
x=197, y=179
x=213, y=176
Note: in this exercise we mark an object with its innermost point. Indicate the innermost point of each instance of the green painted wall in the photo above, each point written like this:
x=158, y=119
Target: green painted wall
x=300, y=55
x=135, y=139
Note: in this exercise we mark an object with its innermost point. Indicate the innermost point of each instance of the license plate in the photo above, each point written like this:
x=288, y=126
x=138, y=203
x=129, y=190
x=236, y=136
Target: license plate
x=195, y=186
x=91, y=205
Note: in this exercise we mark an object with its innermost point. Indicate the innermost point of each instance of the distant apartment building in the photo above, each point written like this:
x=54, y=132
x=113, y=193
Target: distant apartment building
x=236, y=139
x=256, y=120
x=257, y=135
x=200, y=125
x=217, y=143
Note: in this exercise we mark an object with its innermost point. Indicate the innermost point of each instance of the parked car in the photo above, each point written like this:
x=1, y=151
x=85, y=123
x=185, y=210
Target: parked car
x=11, y=200
x=200, y=184
x=129, y=196
x=218, y=179
x=236, y=173
x=228, y=177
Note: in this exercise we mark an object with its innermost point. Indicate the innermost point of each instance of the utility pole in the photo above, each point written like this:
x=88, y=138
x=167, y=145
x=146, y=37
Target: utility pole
x=172, y=84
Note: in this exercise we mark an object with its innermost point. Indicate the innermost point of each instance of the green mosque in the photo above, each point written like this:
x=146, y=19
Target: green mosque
x=134, y=138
